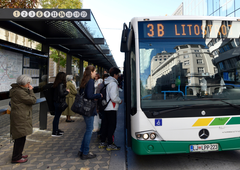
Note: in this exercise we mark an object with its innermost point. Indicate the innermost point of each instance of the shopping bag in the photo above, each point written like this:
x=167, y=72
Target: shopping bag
x=96, y=126
x=9, y=108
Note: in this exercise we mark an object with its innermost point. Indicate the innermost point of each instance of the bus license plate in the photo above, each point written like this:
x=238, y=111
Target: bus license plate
x=204, y=148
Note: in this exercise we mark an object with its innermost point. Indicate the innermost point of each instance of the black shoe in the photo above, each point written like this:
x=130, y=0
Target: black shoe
x=80, y=154
x=56, y=134
x=60, y=131
x=90, y=155
x=69, y=120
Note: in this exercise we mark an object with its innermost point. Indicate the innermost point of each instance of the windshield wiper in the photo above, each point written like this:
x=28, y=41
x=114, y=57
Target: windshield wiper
x=191, y=106
x=178, y=108
x=233, y=105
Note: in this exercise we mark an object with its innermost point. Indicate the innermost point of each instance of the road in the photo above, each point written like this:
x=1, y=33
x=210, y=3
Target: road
x=225, y=160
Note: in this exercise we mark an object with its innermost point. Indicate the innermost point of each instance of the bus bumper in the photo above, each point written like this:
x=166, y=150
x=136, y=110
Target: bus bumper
x=147, y=147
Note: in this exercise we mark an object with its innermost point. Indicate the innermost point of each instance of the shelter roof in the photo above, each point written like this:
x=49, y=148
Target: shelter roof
x=79, y=38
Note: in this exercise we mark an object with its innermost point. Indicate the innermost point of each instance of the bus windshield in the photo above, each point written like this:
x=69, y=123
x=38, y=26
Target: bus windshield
x=186, y=72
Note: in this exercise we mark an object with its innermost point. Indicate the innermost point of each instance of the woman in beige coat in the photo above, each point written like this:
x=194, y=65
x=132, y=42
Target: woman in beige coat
x=70, y=98
x=22, y=99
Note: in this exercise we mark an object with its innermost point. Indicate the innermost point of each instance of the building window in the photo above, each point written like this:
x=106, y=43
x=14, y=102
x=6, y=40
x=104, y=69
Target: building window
x=196, y=51
x=226, y=47
x=200, y=69
x=155, y=59
x=223, y=11
x=221, y=66
x=221, y=50
x=230, y=7
x=210, y=6
x=237, y=5
x=160, y=59
x=186, y=56
x=237, y=42
x=215, y=53
x=164, y=58
x=233, y=43
x=186, y=62
x=198, y=55
x=215, y=70
x=200, y=61
x=216, y=5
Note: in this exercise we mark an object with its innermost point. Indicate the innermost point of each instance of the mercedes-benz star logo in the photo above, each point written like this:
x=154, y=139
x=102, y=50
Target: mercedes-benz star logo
x=203, y=134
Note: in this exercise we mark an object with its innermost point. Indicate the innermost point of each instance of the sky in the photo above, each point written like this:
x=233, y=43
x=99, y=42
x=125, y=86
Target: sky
x=112, y=14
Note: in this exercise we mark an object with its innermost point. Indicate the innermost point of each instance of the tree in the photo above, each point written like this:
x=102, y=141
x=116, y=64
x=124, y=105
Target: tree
x=18, y=4
x=61, y=4
x=57, y=55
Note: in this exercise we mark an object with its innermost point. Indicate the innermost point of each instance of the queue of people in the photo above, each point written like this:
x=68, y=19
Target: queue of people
x=23, y=97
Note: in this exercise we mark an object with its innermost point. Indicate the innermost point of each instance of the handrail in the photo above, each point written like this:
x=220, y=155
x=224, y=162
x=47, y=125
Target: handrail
x=40, y=100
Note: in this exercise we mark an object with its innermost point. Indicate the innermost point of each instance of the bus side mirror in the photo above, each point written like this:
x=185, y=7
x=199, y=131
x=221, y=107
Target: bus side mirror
x=126, y=39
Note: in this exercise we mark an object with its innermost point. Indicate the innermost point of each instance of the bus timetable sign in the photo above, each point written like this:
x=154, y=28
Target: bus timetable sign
x=45, y=14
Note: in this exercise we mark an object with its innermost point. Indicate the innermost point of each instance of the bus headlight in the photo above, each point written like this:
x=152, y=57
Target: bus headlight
x=152, y=136
x=145, y=136
x=148, y=135
x=138, y=136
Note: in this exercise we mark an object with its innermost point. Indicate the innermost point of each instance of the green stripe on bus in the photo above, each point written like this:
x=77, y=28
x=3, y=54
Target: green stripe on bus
x=219, y=121
x=234, y=121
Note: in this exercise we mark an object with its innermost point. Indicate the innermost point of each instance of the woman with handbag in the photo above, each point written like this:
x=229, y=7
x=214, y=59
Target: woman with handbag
x=87, y=86
x=60, y=104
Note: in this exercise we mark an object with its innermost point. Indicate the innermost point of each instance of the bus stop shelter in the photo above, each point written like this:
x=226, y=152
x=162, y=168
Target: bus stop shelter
x=72, y=31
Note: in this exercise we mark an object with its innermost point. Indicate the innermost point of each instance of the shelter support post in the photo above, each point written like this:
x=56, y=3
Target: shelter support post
x=81, y=70
x=100, y=71
x=43, y=105
x=69, y=65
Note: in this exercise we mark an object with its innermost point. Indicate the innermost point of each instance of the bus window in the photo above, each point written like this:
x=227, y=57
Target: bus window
x=179, y=80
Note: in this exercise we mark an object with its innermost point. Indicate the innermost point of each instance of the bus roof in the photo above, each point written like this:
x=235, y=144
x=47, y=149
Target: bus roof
x=183, y=17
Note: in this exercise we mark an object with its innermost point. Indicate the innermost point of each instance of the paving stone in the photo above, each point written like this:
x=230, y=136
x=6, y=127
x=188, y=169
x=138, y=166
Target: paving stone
x=52, y=153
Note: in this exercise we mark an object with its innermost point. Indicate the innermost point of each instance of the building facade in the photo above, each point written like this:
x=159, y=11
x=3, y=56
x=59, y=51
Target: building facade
x=191, y=62
x=230, y=8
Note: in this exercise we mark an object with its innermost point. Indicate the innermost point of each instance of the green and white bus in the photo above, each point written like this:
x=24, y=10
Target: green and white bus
x=182, y=84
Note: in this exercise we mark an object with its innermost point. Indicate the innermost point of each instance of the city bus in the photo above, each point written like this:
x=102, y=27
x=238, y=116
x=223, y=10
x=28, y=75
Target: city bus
x=182, y=84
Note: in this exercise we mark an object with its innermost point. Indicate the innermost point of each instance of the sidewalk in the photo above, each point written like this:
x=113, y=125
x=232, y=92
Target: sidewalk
x=48, y=153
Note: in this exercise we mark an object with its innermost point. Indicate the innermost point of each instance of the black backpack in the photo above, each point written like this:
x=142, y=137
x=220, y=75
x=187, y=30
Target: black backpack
x=102, y=103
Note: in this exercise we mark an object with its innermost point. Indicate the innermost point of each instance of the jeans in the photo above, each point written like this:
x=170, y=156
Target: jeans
x=88, y=134
x=56, y=117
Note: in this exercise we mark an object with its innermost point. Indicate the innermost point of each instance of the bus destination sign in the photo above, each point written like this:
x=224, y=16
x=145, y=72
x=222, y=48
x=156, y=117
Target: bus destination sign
x=176, y=29
x=45, y=14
